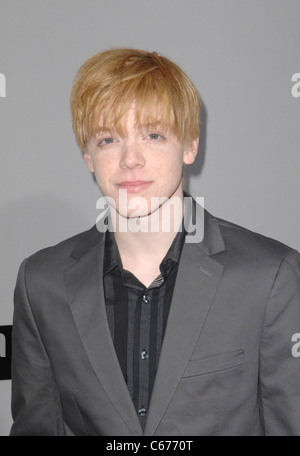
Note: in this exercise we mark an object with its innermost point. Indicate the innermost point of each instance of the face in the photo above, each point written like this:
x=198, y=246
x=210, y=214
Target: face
x=133, y=168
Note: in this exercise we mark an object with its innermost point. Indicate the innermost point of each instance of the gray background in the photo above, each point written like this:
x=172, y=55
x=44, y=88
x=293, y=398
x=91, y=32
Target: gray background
x=240, y=54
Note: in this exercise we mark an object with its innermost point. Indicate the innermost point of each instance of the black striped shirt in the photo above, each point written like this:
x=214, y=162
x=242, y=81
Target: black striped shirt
x=137, y=318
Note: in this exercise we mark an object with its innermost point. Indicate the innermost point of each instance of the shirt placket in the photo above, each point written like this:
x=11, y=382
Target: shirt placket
x=144, y=351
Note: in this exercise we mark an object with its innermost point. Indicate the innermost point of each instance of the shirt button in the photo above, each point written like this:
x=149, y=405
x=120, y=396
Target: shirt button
x=146, y=298
x=144, y=354
x=142, y=411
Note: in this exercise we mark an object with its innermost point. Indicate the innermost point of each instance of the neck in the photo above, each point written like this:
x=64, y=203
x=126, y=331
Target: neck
x=150, y=237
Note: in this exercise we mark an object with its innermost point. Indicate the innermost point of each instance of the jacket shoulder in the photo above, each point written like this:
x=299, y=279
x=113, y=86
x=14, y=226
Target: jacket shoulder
x=61, y=255
x=239, y=239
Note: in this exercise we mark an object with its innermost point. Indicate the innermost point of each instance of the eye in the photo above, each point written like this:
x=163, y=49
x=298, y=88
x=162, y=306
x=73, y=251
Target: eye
x=155, y=136
x=105, y=141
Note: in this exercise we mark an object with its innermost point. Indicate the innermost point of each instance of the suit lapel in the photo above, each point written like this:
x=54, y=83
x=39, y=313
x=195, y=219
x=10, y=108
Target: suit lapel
x=197, y=281
x=86, y=298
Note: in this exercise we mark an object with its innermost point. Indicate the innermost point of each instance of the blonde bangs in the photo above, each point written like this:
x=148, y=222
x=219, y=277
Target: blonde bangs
x=110, y=83
x=150, y=111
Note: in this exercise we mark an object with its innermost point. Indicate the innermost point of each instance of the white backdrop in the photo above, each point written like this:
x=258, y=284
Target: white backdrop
x=243, y=57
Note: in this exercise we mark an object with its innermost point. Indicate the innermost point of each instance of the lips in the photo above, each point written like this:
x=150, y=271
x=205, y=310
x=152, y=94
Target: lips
x=134, y=186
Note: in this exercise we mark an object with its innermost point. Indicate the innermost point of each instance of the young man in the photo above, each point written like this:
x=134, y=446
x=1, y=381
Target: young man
x=132, y=328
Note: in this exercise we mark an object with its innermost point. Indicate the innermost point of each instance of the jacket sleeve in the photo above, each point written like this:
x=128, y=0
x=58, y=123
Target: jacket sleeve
x=280, y=352
x=36, y=408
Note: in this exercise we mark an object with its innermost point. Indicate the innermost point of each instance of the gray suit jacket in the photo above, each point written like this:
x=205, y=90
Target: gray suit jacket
x=226, y=367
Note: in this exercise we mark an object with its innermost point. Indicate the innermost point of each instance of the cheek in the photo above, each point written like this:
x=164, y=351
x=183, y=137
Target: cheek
x=102, y=174
x=171, y=169
x=103, y=168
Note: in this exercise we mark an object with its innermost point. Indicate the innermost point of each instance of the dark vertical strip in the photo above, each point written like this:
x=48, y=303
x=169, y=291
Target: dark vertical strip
x=136, y=354
x=109, y=302
x=145, y=345
x=154, y=337
x=120, y=327
x=130, y=344
x=170, y=285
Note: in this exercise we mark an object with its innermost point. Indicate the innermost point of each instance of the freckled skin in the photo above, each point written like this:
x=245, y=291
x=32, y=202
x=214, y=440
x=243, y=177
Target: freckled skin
x=155, y=157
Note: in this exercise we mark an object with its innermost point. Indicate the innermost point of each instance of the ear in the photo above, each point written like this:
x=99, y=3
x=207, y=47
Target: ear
x=190, y=152
x=87, y=157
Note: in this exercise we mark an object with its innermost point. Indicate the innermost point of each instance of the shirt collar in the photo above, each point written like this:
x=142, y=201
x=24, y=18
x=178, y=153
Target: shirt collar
x=112, y=256
x=111, y=253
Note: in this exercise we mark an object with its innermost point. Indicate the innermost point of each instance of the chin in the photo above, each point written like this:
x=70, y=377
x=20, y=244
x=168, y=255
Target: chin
x=134, y=213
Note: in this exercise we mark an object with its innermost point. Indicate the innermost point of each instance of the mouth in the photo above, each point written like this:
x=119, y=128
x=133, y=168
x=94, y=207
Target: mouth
x=134, y=186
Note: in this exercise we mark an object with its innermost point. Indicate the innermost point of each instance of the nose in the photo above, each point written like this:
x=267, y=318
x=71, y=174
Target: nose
x=131, y=156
